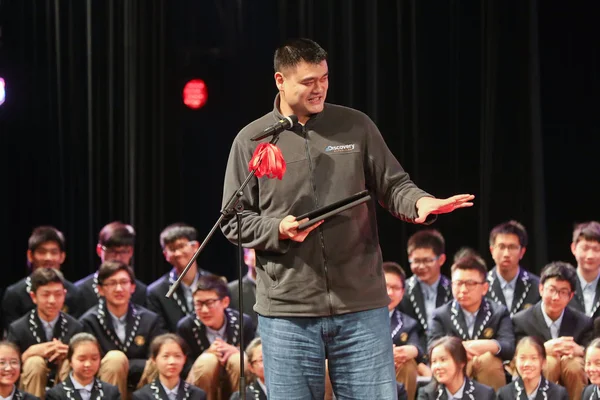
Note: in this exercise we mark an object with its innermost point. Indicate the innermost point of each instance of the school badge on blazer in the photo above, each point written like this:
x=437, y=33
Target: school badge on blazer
x=488, y=333
x=526, y=306
x=403, y=337
x=65, y=309
x=139, y=340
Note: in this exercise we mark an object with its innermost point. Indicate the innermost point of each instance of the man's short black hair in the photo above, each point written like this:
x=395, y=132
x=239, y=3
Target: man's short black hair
x=295, y=51
x=43, y=234
x=561, y=271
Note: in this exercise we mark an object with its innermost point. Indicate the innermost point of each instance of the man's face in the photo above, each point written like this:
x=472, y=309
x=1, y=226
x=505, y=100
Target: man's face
x=425, y=264
x=210, y=309
x=395, y=289
x=587, y=254
x=49, y=300
x=46, y=255
x=303, y=88
x=179, y=252
x=468, y=288
x=507, y=252
x=555, y=294
x=123, y=254
x=117, y=289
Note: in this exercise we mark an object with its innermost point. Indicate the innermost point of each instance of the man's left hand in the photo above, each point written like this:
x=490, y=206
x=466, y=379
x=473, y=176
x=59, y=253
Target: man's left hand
x=431, y=205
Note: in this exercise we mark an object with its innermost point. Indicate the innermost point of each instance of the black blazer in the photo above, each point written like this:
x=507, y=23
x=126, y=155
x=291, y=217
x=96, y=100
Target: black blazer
x=531, y=322
x=147, y=392
x=547, y=390
x=407, y=331
x=591, y=392
x=249, y=293
x=142, y=326
x=28, y=330
x=253, y=392
x=413, y=304
x=194, y=332
x=66, y=391
x=21, y=395
x=89, y=297
x=17, y=301
x=577, y=302
x=526, y=291
x=492, y=322
x=171, y=309
x=473, y=391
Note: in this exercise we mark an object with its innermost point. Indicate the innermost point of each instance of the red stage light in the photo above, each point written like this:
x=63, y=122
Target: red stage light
x=195, y=94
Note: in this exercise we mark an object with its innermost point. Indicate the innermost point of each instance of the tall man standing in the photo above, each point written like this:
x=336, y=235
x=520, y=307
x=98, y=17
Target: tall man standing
x=322, y=295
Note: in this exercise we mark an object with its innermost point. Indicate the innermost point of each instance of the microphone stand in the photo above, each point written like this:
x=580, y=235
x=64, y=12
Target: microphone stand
x=232, y=205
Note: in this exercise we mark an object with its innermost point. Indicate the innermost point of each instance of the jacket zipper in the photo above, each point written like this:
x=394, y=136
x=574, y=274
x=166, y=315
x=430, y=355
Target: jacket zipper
x=322, y=239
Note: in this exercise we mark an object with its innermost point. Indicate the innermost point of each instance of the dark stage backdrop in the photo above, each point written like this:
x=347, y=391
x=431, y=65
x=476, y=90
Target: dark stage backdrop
x=496, y=98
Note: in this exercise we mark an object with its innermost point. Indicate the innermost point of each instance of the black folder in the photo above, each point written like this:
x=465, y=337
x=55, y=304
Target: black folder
x=334, y=208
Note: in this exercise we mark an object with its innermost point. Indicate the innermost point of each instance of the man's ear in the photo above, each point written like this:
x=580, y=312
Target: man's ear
x=279, y=79
x=226, y=301
x=33, y=298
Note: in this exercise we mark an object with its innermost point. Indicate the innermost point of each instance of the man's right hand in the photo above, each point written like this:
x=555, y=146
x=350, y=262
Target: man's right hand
x=288, y=229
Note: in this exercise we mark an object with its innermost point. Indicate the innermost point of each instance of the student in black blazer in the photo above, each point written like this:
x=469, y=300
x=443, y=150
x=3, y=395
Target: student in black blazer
x=212, y=335
x=484, y=326
x=115, y=243
x=46, y=249
x=167, y=353
x=179, y=243
x=510, y=284
x=530, y=359
x=43, y=333
x=11, y=371
x=406, y=333
x=592, y=369
x=84, y=359
x=124, y=330
x=256, y=389
x=448, y=359
x=565, y=331
x=427, y=289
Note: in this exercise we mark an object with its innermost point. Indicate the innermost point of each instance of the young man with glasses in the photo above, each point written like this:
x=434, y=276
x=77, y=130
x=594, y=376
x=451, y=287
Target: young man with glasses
x=586, y=250
x=565, y=331
x=43, y=334
x=123, y=329
x=510, y=284
x=212, y=336
x=484, y=326
x=46, y=249
x=179, y=243
x=405, y=331
x=427, y=289
x=115, y=243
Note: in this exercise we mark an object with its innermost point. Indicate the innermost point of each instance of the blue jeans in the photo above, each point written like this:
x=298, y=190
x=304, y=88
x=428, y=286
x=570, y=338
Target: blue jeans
x=358, y=347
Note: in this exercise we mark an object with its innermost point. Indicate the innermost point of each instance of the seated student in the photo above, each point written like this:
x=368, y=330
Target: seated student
x=10, y=367
x=427, y=289
x=510, y=284
x=123, y=329
x=167, y=352
x=179, y=244
x=257, y=389
x=530, y=359
x=84, y=358
x=484, y=326
x=212, y=336
x=564, y=331
x=586, y=249
x=43, y=334
x=115, y=243
x=405, y=331
x=46, y=249
x=249, y=287
x=448, y=359
x=592, y=369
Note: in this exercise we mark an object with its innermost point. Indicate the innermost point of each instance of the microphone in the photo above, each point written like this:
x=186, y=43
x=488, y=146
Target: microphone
x=280, y=126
